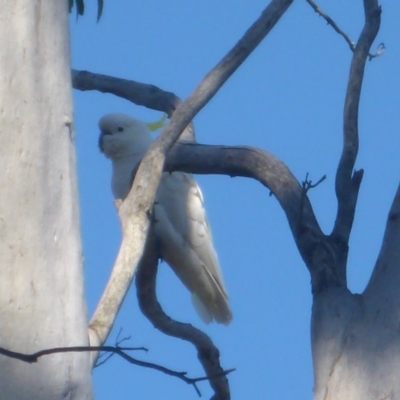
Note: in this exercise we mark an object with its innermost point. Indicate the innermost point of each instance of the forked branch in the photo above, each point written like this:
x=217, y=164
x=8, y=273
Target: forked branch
x=380, y=49
x=118, y=350
x=347, y=180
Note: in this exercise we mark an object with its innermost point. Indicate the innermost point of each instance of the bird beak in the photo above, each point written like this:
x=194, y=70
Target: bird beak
x=101, y=139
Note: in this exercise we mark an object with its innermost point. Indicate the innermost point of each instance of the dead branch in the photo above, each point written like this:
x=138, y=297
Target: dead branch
x=120, y=351
x=332, y=23
x=141, y=94
x=380, y=49
x=348, y=181
x=34, y=357
x=104, y=357
x=253, y=163
x=207, y=352
x=136, y=208
x=316, y=249
x=307, y=183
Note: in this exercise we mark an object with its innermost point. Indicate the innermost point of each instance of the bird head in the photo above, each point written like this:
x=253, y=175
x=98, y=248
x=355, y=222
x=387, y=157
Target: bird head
x=122, y=136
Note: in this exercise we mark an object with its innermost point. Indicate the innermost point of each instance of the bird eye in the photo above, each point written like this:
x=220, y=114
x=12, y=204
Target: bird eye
x=120, y=129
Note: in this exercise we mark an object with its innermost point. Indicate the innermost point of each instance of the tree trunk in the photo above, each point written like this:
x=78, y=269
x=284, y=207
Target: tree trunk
x=42, y=302
x=355, y=338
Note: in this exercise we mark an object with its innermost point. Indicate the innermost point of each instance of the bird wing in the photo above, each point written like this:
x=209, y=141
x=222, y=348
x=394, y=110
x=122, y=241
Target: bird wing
x=185, y=238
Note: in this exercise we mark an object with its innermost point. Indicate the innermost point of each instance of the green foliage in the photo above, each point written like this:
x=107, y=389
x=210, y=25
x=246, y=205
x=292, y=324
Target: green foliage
x=80, y=7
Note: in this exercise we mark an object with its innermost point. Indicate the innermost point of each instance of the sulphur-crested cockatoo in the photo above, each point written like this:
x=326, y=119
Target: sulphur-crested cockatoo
x=180, y=220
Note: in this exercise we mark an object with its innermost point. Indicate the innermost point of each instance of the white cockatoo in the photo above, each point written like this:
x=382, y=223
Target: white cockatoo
x=180, y=220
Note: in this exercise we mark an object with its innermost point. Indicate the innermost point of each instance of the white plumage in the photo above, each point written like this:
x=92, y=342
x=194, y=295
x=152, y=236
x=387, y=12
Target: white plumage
x=180, y=220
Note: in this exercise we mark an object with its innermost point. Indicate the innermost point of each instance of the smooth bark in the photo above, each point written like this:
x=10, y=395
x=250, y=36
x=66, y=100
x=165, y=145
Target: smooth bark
x=42, y=301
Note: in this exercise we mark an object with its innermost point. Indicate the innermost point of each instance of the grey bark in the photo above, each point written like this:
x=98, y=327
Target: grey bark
x=42, y=300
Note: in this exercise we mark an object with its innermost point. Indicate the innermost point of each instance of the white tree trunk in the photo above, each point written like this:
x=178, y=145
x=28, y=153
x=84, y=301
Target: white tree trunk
x=42, y=301
x=356, y=338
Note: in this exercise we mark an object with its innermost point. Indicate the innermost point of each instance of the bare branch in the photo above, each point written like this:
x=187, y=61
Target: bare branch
x=332, y=23
x=347, y=182
x=380, y=49
x=307, y=183
x=120, y=351
x=103, y=358
x=141, y=94
x=316, y=249
x=207, y=352
x=135, y=210
x=251, y=163
x=34, y=357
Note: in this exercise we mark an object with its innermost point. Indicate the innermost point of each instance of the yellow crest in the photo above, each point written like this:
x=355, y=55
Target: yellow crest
x=154, y=126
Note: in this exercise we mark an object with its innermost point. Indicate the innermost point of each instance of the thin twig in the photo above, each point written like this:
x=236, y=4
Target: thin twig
x=332, y=23
x=307, y=183
x=102, y=359
x=34, y=357
x=120, y=351
x=107, y=355
x=380, y=49
x=306, y=186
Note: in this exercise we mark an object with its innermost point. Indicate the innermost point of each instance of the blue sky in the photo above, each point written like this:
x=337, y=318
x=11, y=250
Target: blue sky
x=287, y=98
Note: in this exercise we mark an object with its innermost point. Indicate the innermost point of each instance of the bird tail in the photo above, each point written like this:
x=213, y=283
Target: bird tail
x=220, y=311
